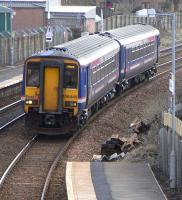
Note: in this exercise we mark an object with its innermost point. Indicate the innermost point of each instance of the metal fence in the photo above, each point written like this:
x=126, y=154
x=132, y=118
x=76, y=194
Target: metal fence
x=27, y=42
x=165, y=145
x=160, y=22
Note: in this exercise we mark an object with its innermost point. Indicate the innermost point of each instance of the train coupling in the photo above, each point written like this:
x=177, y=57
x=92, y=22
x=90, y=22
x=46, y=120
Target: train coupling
x=49, y=120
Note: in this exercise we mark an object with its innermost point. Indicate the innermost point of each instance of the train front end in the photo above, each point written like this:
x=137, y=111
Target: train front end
x=50, y=94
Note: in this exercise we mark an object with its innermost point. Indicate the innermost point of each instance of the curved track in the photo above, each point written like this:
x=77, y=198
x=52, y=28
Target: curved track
x=27, y=178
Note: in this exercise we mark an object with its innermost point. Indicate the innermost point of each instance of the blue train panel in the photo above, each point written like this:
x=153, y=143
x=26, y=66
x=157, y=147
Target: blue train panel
x=83, y=84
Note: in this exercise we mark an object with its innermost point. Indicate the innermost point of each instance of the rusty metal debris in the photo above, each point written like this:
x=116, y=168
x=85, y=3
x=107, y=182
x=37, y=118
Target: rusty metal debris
x=116, y=148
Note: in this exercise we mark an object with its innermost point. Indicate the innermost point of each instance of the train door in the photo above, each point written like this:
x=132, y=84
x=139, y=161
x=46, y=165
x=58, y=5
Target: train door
x=51, y=89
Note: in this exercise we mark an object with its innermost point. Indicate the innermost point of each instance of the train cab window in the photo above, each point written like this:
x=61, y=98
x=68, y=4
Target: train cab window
x=33, y=74
x=70, y=76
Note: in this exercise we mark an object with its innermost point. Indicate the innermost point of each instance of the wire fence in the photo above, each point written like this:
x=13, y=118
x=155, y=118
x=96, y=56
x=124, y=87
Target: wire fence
x=161, y=22
x=29, y=41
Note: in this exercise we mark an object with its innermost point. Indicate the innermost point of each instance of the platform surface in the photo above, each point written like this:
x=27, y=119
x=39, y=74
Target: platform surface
x=10, y=75
x=111, y=181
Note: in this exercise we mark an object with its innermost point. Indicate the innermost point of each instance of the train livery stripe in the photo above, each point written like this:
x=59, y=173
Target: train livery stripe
x=82, y=100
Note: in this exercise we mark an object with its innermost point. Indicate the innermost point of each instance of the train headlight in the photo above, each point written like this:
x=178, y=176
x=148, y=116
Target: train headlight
x=70, y=103
x=31, y=102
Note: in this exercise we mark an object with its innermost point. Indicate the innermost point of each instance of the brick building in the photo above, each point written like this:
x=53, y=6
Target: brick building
x=27, y=13
x=78, y=18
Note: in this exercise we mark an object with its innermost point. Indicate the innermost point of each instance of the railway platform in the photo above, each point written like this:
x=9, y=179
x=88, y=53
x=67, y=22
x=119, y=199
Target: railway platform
x=10, y=75
x=111, y=181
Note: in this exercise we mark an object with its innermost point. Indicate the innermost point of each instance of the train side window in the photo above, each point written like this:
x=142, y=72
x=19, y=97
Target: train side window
x=152, y=47
x=97, y=76
x=70, y=76
x=93, y=75
x=33, y=74
x=129, y=55
x=103, y=71
x=106, y=69
x=142, y=50
x=94, y=78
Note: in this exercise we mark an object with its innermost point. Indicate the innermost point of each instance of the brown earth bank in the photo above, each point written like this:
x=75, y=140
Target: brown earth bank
x=147, y=103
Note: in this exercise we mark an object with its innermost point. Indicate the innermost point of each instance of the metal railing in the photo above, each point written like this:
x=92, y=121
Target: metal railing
x=28, y=42
x=165, y=145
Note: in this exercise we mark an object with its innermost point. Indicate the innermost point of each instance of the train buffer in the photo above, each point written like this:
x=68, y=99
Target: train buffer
x=111, y=181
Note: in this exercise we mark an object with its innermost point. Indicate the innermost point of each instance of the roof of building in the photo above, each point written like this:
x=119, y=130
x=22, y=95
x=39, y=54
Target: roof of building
x=72, y=9
x=87, y=11
x=4, y=9
x=23, y=3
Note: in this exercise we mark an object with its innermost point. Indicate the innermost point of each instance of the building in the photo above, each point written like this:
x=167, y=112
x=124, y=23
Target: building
x=78, y=18
x=26, y=13
x=5, y=19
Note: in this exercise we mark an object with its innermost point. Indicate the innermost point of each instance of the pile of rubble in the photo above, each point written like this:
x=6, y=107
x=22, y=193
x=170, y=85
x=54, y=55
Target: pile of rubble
x=116, y=148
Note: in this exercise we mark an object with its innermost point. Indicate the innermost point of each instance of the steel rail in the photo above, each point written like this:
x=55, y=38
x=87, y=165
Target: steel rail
x=12, y=121
x=57, y=159
x=177, y=67
x=170, y=48
x=169, y=53
x=15, y=161
x=60, y=154
x=169, y=62
x=10, y=105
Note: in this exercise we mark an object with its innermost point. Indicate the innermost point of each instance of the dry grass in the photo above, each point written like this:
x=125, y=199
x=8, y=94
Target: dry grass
x=166, y=37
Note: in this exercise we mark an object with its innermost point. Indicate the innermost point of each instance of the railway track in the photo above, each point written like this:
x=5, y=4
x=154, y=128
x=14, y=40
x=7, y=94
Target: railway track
x=25, y=176
x=113, y=102
x=48, y=183
x=167, y=51
x=10, y=114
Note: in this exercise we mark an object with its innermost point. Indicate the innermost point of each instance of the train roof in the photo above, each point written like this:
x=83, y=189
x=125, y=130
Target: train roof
x=133, y=33
x=88, y=48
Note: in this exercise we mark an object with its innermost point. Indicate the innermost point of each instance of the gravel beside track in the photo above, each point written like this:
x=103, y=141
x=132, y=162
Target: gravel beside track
x=147, y=103
x=10, y=113
x=12, y=140
x=27, y=178
x=8, y=100
x=27, y=181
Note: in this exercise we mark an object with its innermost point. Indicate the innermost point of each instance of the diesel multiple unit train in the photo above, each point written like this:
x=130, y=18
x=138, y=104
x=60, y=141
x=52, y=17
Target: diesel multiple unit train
x=66, y=84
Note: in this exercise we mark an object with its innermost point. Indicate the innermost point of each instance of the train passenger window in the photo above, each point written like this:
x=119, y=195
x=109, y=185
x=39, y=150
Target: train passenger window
x=93, y=78
x=130, y=55
x=106, y=70
x=33, y=74
x=101, y=73
x=70, y=76
x=98, y=75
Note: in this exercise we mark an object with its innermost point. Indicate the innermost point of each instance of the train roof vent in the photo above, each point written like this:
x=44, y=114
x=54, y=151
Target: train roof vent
x=106, y=34
x=62, y=49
